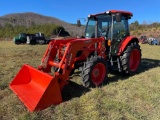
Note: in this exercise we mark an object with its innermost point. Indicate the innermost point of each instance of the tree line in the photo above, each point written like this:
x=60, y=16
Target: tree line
x=9, y=30
x=136, y=25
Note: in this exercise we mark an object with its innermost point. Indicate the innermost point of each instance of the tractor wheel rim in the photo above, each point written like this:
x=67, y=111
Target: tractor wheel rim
x=98, y=74
x=134, y=60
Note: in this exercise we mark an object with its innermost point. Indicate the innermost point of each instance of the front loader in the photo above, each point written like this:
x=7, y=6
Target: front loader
x=106, y=45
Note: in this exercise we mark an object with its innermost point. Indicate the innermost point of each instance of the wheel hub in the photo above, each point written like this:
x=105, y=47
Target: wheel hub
x=95, y=72
x=134, y=60
x=98, y=73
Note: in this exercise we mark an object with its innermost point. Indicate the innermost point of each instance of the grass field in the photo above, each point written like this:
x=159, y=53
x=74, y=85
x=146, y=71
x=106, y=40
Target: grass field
x=124, y=98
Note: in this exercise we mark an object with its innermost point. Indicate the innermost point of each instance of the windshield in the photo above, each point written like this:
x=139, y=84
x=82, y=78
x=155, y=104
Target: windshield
x=104, y=25
x=90, y=29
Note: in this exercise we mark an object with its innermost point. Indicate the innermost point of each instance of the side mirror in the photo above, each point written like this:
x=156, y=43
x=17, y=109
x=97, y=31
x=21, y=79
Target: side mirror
x=118, y=17
x=79, y=23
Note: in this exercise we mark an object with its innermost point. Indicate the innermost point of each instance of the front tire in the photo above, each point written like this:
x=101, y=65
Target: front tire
x=94, y=72
x=131, y=58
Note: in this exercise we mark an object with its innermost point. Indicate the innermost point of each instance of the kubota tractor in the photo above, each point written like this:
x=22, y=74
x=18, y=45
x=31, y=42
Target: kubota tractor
x=106, y=45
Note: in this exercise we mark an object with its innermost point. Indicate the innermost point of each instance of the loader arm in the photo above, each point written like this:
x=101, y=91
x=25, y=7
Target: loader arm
x=72, y=46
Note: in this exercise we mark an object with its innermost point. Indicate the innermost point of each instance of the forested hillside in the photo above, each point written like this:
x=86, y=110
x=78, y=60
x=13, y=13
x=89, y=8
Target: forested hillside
x=13, y=24
x=145, y=29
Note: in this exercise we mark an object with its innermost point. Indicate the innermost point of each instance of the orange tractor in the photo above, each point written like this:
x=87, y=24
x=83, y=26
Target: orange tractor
x=106, y=45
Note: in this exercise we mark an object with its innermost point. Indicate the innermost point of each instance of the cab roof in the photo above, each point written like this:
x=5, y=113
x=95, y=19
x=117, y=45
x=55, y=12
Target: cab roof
x=125, y=13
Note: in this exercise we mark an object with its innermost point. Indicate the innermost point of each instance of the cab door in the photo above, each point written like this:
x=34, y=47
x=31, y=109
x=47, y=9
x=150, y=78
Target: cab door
x=120, y=31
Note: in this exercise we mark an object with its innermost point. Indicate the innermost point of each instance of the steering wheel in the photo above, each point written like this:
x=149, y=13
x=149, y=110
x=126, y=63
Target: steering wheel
x=98, y=35
x=101, y=32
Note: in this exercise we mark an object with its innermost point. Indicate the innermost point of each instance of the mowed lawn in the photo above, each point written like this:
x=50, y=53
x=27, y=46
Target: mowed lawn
x=135, y=97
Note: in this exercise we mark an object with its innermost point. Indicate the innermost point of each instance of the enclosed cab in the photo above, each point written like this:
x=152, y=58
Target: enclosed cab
x=122, y=50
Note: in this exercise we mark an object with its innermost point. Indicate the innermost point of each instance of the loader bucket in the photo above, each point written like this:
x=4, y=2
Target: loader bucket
x=36, y=89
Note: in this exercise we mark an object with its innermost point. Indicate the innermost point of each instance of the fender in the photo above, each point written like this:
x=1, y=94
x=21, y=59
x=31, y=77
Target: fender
x=125, y=42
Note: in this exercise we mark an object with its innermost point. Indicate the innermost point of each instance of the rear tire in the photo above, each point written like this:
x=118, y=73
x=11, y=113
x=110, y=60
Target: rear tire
x=94, y=72
x=131, y=58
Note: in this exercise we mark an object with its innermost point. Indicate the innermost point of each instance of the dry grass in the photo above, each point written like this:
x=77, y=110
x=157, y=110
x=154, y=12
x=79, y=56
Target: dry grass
x=124, y=98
